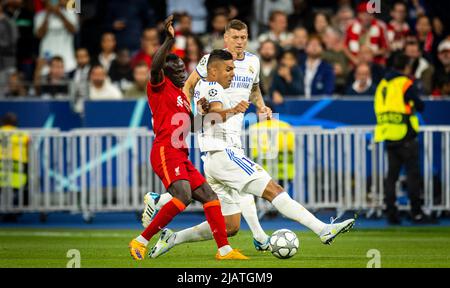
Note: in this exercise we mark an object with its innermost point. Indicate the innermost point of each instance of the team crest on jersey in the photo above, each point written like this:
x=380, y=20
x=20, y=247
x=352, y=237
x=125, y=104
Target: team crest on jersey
x=179, y=101
x=212, y=93
x=203, y=61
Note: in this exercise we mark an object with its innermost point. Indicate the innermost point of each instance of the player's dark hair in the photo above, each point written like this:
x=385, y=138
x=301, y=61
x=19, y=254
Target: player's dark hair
x=172, y=57
x=400, y=62
x=219, y=55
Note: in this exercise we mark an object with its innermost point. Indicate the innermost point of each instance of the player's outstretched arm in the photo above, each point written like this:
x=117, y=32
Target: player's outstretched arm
x=159, y=58
x=189, y=86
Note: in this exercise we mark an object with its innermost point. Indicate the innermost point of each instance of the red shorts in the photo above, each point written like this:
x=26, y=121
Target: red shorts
x=172, y=164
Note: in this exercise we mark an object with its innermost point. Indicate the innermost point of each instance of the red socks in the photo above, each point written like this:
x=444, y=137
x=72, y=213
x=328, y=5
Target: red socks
x=216, y=221
x=164, y=216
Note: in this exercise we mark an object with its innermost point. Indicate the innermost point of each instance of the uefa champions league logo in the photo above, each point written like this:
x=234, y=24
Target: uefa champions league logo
x=74, y=6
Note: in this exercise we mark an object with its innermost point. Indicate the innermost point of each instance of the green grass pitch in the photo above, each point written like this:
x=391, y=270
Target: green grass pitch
x=399, y=247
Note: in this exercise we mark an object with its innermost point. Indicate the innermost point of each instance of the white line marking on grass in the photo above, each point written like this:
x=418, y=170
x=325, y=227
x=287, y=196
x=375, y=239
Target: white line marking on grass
x=60, y=234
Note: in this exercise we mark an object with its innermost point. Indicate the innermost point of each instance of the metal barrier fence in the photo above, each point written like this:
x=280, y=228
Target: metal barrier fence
x=99, y=170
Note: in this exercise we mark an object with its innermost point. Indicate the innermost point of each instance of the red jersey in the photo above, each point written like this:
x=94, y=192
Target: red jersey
x=171, y=114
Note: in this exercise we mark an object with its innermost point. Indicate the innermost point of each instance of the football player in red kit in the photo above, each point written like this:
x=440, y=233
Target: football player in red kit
x=169, y=156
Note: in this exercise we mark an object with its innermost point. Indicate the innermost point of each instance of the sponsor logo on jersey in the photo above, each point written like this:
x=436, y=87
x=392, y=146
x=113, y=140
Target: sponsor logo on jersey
x=241, y=82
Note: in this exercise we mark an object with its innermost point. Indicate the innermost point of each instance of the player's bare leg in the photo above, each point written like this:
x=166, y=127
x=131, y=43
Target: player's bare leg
x=215, y=222
x=181, y=193
x=293, y=210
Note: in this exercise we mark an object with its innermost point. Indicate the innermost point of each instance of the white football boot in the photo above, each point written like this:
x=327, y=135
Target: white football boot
x=165, y=242
x=332, y=230
x=153, y=203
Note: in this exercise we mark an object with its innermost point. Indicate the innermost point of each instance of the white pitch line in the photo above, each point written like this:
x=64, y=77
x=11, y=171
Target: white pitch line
x=60, y=234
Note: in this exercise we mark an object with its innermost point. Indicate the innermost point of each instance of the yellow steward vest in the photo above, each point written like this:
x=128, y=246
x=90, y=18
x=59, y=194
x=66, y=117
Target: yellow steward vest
x=391, y=110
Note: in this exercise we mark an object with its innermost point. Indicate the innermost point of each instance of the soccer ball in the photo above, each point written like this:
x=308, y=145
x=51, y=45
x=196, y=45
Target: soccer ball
x=284, y=243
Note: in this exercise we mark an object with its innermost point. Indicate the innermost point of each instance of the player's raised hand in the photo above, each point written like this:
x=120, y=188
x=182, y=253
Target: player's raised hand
x=241, y=107
x=170, y=32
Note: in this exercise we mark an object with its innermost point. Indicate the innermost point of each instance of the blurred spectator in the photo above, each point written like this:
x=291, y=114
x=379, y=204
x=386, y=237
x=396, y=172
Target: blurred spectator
x=16, y=87
x=91, y=19
x=365, y=56
x=299, y=43
x=194, y=52
x=121, y=73
x=214, y=40
x=100, y=87
x=425, y=36
x=363, y=84
x=288, y=79
x=127, y=19
x=108, y=50
x=344, y=17
x=265, y=8
x=268, y=57
x=234, y=9
x=442, y=75
x=183, y=28
x=422, y=69
x=366, y=30
x=278, y=30
x=149, y=45
x=321, y=23
x=80, y=76
x=319, y=75
x=55, y=83
x=8, y=40
x=416, y=10
x=301, y=16
x=139, y=88
x=25, y=42
x=56, y=28
x=194, y=9
x=398, y=28
x=335, y=55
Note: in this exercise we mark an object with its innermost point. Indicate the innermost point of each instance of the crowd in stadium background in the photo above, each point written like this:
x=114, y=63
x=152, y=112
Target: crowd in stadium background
x=307, y=48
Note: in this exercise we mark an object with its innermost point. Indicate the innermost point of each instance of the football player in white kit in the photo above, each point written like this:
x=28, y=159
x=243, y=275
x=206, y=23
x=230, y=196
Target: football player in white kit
x=232, y=175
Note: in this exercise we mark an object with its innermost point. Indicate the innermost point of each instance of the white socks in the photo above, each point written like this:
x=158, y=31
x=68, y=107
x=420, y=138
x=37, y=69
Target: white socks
x=142, y=240
x=295, y=211
x=200, y=232
x=163, y=200
x=224, y=250
x=248, y=208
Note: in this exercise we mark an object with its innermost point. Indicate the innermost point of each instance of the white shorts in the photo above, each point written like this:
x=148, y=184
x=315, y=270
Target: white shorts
x=231, y=174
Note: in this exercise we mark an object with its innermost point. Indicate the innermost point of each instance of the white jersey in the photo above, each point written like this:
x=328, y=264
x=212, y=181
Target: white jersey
x=221, y=135
x=246, y=74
